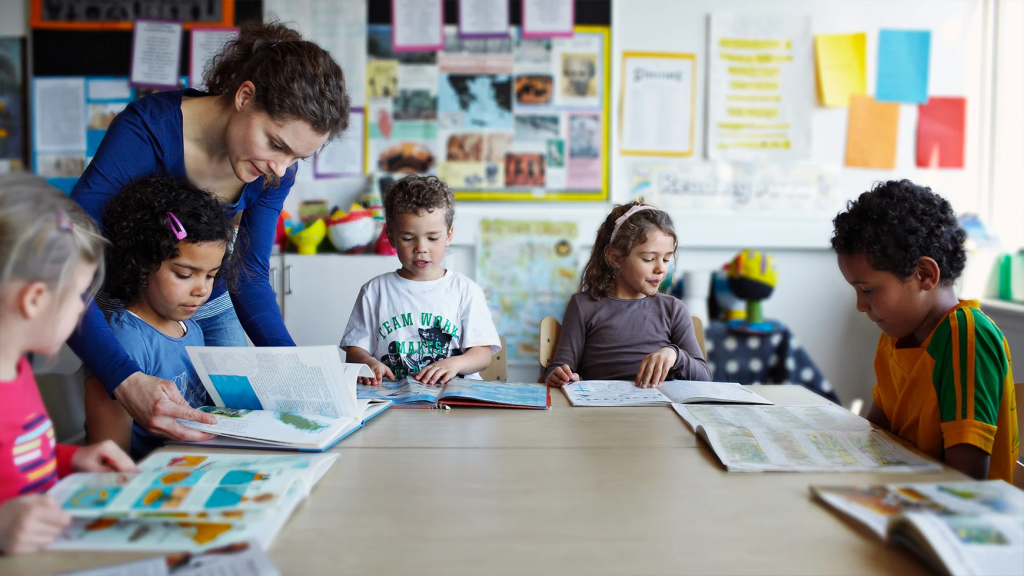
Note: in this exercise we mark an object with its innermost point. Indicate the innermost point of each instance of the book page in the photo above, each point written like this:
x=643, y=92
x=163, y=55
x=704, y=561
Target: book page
x=239, y=559
x=408, y=390
x=300, y=379
x=612, y=393
x=800, y=439
x=970, y=545
x=510, y=393
x=309, y=468
x=300, y=430
x=689, y=391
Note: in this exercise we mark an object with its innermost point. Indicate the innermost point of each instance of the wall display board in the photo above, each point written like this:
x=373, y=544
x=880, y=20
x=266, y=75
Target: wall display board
x=118, y=14
x=498, y=119
x=11, y=106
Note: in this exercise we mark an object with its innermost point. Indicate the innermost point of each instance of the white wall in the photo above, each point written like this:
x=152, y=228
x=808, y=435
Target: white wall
x=1007, y=214
x=13, y=17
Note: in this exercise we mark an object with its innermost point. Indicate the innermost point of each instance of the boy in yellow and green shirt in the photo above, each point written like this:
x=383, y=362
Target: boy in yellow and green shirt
x=944, y=377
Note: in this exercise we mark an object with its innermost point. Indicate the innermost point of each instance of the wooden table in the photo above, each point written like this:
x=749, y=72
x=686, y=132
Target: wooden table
x=564, y=491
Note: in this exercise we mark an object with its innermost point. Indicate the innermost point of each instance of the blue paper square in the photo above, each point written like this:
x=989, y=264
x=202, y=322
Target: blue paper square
x=903, y=57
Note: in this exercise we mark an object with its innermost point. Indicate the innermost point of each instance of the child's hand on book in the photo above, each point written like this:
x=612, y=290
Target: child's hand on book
x=561, y=376
x=30, y=523
x=438, y=372
x=655, y=367
x=103, y=457
x=380, y=371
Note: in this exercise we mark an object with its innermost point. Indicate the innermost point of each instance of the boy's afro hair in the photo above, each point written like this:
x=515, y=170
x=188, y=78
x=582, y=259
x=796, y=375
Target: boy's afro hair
x=896, y=224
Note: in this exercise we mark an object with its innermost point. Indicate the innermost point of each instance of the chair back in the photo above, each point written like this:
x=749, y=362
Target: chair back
x=497, y=370
x=698, y=331
x=550, y=330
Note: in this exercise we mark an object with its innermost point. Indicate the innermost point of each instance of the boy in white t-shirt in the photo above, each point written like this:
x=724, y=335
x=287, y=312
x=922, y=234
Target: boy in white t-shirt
x=421, y=320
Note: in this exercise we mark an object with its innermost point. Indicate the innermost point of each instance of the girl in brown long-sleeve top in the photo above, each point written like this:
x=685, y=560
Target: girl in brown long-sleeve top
x=618, y=327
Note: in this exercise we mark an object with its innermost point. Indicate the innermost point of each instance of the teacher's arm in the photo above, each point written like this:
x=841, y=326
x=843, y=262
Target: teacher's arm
x=254, y=300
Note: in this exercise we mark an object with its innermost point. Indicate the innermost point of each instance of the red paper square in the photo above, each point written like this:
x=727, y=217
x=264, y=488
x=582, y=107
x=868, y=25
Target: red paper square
x=940, y=132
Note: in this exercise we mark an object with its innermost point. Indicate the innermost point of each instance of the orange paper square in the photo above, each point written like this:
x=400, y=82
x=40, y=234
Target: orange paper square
x=871, y=133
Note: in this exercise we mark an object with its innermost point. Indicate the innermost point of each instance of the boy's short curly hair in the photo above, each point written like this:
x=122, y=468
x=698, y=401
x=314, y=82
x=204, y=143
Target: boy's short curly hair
x=136, y=223
x=899, y=222
x=415, y=194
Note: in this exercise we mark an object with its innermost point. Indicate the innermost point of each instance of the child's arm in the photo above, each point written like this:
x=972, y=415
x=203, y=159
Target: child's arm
x=357, y=355
x=689, y=363
x=30, y=523
x=655, y=367
x=105, y=456
x=968, y=459
x=571, y=342
x=471, y=361
x=106, y=418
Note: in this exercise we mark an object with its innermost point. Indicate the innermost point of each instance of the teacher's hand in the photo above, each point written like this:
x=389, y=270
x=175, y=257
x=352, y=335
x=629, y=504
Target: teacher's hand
x=156, y=405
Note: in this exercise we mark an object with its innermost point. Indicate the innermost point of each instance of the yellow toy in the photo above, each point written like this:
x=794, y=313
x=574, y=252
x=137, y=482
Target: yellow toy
x=308, y=238
x=752, y=277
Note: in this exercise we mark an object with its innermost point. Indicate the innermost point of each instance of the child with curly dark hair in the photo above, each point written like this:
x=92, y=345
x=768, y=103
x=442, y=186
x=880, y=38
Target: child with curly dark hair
x=618, y=327
x=944, y=378
x=170, y=242
x=421, y=320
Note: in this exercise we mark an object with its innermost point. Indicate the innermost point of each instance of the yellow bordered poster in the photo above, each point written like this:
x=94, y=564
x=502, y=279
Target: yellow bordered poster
x=503, y=119
x=657, y=109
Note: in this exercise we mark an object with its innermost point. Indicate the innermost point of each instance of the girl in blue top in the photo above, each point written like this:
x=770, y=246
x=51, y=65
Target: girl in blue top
x=169, y=242
x=272, y=99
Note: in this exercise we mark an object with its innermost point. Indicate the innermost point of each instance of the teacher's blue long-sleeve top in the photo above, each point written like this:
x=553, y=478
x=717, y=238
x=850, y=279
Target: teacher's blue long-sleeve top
x=144, y=139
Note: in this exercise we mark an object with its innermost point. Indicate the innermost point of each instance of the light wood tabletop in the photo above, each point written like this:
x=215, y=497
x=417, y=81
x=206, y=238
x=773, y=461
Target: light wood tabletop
x=563, y=491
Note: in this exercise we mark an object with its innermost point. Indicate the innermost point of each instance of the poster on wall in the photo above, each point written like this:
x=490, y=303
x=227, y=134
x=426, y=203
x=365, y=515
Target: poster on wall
x=12, y=108
x=503, y=118
x=119, y=14
x=528, y=270
x=659, y=99
x=760, y=87
x=70, y=117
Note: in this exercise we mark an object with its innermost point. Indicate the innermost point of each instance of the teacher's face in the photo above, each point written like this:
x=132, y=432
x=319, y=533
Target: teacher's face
x=258, y=144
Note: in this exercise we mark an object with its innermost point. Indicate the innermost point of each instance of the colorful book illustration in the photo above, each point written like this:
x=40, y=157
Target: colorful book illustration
x=238, y=559
x=969, y=528
x=622, y=393
x=297, y=397
x=409, y=392
x=799, y=439
x=141, y=516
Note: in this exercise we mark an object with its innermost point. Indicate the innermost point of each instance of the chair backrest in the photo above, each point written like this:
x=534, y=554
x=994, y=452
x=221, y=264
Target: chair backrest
x=550, y=330
x=698, y=331
x=1018, y=470
x=497, y=370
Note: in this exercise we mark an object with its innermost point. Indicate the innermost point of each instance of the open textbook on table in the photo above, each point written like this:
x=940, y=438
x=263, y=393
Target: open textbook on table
x=971, y=528
x=409, y=392
x=294, y=397
x=238, y=559
x=623, y=393
x=186, y=501
x=799, y=439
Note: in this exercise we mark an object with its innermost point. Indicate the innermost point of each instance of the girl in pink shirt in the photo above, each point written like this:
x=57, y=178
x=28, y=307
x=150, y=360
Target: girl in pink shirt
x=50, y=258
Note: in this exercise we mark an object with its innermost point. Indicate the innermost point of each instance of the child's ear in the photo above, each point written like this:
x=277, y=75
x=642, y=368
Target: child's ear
x=451, y=233
x=33, y=298
x=613, y=257
x=928, y=273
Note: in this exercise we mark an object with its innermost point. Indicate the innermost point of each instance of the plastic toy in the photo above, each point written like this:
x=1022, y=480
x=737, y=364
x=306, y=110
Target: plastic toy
x=307, y=238
x=352, y=231
x=383, y=246
x=752, y=277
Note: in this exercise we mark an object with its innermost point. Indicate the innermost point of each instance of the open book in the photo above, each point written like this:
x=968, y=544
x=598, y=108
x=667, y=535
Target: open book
x=238, y=559
x=622, y=393
x=799, y=439
x=184, y=501
x=956, y=527
x=409, y=392
x=295, y=397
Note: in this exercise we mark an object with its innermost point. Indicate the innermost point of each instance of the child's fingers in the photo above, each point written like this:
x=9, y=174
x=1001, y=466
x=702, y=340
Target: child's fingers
x=114, y=458
x=389, y=373
x=646, y=372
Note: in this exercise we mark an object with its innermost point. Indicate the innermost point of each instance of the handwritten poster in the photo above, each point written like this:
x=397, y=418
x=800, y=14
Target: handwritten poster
x=760, y=87
x=658, y=104
x=156, y=54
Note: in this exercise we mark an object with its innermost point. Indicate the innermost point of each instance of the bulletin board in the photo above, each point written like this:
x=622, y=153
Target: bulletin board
x=507, y=119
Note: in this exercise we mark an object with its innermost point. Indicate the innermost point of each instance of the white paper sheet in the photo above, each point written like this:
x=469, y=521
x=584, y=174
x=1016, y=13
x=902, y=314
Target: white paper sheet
x=156, y=54
x=343, y=156
x=548, y=18
x=483, y=18
x=206, y=43
x=760, y=87
x=417, y=25
x=658, y=104
x=59, y=114
x=612, y=393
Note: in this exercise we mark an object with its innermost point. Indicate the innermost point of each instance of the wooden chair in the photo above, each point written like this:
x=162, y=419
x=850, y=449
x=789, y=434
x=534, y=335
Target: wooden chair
x=1018, y=470
x=497, y=371
x=550, y=330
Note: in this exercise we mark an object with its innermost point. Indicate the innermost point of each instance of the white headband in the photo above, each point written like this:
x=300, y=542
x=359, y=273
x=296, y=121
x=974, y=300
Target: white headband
x=624, y=217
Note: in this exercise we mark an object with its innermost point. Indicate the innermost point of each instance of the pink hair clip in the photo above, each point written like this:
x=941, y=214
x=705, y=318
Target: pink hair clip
x=179, y=232
x=64, y=222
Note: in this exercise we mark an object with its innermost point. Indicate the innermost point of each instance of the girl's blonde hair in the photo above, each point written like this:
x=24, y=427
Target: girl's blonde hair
x=598, y=276
x=44, y=234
